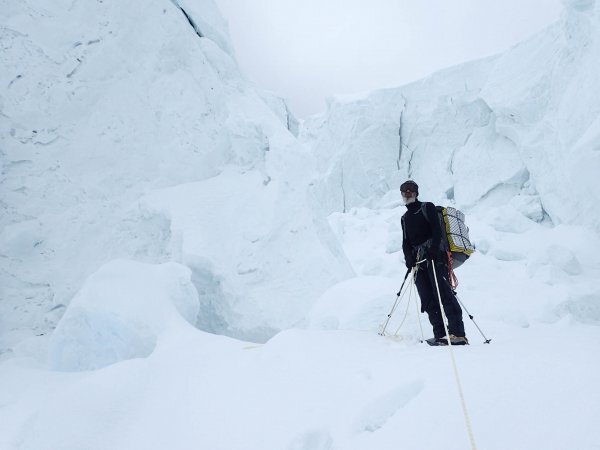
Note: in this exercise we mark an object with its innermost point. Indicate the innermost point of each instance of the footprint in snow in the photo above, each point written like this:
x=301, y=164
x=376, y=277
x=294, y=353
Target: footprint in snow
x=375, y=414
x=312, y=440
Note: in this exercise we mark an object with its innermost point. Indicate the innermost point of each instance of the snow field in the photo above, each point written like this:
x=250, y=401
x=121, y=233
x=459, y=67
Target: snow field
x=314, y=389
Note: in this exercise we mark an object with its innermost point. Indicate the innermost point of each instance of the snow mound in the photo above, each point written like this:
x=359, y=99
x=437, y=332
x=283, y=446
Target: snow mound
x=356, y=304
x=364, y=303
x=584, y=308
x=120, y=312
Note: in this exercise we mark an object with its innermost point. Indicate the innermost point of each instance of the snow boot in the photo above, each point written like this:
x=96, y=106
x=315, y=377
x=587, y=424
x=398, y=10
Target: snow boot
x=458, y=340
x=454, y=340
x=436, y=341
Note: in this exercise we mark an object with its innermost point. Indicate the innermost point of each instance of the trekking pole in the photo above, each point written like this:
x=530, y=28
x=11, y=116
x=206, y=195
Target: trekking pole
x=389, y=316
x=487, y=341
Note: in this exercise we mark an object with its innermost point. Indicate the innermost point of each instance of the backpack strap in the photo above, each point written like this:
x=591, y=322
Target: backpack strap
x=436, y=226
x=403, y=226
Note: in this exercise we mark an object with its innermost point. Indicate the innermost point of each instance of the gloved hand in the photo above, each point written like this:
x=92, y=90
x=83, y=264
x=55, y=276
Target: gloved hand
x=410, y=263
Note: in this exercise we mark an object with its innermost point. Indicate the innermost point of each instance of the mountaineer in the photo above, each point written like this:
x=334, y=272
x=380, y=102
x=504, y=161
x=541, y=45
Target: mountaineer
x=422, y=249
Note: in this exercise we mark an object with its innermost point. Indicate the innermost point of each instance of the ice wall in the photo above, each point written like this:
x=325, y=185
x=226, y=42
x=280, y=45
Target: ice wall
x=103, y=103
x=522, y=127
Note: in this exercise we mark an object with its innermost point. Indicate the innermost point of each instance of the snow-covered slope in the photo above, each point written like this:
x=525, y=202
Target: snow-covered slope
x=313, y=390
x=104, y=104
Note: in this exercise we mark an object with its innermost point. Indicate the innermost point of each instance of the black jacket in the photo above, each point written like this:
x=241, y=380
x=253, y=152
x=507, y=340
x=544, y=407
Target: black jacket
x=417, y=229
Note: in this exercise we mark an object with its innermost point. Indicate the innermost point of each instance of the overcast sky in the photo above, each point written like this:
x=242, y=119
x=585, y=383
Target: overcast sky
x=307, y=50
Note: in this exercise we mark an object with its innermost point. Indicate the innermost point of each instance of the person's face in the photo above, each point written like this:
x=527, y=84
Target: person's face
x=409, y=196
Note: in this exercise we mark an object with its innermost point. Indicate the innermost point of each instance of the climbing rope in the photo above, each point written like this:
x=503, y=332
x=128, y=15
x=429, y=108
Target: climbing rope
x=410, y=289
x=399, y=297
x=405, y=312
x=457, y=378
x=451, y=275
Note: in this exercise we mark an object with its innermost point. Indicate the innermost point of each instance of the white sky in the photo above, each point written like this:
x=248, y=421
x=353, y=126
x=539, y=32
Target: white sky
x=307, y=50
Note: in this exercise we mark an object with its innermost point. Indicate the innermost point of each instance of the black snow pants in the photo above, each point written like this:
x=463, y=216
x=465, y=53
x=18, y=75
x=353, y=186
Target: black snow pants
x=429, y=300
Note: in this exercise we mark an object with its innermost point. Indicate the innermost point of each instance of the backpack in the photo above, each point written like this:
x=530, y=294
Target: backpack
x=456, y=232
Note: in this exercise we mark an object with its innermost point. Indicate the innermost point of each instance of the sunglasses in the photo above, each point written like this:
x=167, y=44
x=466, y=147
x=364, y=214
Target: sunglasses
x=407, y=191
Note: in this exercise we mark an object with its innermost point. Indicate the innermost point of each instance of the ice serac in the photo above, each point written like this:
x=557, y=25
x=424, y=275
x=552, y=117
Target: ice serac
x=549, y=107
x=103, y=103
x=521, y=124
